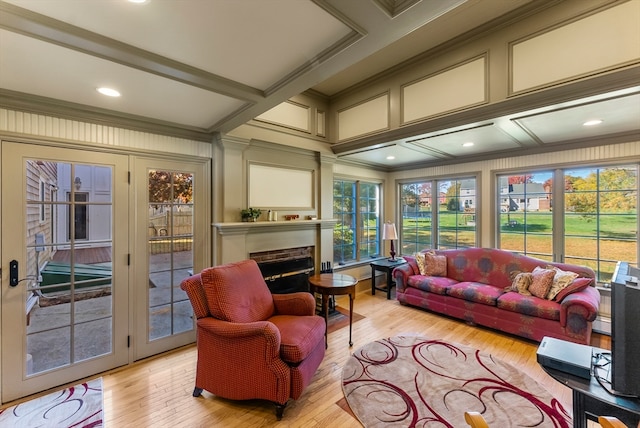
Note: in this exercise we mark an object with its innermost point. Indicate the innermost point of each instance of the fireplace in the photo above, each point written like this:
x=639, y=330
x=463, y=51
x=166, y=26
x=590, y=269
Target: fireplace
x=286, y=270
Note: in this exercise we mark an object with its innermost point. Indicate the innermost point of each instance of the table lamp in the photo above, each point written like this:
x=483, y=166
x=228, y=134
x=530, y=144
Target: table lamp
x=389, y=234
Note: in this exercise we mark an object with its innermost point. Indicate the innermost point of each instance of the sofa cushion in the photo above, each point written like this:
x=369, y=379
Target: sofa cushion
x=577, y=284
x=541, y=282
x=435, y=265
x=432, y=284
x=422, y=266
x=521, y=283
x=299, y=335
x=529, y=305
x=475, y=292
x=561, y=280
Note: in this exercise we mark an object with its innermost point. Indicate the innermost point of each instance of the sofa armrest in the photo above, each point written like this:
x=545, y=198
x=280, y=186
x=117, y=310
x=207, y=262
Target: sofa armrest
x=300, y=303
x=582, y=304
x=401, y=275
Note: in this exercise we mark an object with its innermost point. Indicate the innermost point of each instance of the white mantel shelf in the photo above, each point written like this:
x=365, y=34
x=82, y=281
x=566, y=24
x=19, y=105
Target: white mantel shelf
x=271, y=226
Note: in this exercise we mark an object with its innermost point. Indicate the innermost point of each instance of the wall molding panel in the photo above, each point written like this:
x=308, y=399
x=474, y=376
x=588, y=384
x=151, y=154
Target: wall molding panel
x=290, y=115
x=574, y=50
x=462, y=86
x=369, y=116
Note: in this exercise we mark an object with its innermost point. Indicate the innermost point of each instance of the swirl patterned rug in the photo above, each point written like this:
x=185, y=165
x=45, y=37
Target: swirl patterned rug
x=410, y=381
x=78, y=406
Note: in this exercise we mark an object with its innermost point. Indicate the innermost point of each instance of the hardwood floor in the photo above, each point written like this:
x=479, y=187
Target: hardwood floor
x=157, y=392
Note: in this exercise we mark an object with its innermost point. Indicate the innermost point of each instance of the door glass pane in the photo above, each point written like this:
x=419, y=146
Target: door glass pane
x=170, y=240
x=69, y=240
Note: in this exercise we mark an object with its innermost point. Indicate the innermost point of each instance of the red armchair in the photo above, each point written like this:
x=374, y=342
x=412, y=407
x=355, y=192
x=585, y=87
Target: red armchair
x=252, y=344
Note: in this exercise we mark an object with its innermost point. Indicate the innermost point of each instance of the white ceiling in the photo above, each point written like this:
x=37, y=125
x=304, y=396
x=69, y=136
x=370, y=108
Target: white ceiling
x=195, y=67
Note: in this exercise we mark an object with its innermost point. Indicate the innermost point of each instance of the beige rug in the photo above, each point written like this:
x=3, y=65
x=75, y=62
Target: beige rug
x=79, y=406
x=411, y=381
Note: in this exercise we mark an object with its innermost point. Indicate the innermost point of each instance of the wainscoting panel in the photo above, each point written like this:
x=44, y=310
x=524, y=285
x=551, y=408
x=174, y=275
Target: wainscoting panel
x=40, y=126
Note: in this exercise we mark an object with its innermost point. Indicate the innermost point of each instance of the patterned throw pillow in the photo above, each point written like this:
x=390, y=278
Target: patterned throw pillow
x=577, y=284
x=421, y=264
x=521, y=283
x=561, y=280
x=541, y=282
x=435, y=265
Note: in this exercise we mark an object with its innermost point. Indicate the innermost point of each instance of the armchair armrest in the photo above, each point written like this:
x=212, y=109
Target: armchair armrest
x=236, y=360
x=300, y=303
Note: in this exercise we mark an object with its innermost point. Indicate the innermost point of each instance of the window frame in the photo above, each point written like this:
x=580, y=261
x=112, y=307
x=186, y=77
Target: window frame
x=436, y=215
x=359, y=247
x=560, y=215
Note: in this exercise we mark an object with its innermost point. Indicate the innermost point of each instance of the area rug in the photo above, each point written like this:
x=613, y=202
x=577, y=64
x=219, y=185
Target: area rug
x=411, y=381
x=340, y=318
x=79, y=406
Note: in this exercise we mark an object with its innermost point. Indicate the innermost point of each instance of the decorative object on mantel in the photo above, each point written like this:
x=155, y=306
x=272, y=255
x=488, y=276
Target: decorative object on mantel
x=312, y=217
x=291, y=216
x=389, y=233
x=250, y=214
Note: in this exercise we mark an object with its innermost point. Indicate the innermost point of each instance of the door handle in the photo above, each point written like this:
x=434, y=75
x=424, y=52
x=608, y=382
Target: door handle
x=13, y=273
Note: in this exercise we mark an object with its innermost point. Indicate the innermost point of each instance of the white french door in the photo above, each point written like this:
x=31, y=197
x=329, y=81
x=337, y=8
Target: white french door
x=172, y=242
x=65, y=280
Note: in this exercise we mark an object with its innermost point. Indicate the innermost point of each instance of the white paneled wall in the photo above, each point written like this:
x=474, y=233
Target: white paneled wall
x=34, y=125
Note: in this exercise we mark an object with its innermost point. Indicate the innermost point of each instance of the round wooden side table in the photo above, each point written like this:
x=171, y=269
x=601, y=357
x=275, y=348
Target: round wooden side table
x=334, y=284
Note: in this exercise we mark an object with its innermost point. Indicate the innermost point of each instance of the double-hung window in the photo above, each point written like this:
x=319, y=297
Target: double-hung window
x=438, y=214
x=590, y=219
x=356, y=207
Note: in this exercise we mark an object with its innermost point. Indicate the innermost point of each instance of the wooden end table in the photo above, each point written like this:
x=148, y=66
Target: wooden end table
x=334, y=284
x=387, y=266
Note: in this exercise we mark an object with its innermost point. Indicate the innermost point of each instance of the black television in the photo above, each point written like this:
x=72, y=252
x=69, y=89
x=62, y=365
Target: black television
x=625, y=330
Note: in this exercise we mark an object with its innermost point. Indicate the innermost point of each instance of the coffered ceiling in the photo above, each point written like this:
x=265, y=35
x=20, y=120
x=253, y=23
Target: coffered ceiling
x=195, y=67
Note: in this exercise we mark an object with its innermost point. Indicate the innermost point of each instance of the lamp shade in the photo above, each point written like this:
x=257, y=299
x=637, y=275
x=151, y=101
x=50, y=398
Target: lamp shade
x=389, y=231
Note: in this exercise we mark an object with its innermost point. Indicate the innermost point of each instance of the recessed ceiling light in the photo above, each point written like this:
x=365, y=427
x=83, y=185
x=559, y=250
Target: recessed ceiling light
x=137, y=1
x=468, y=144
x=108, y=92
x=592, y=122
x=391, y=157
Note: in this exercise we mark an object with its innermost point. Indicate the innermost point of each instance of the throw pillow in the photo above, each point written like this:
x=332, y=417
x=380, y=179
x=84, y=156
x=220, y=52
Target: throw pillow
x=561, y=280
x=577, y=284
x=421, y=264
x=521, y=283
x=436, y=265
x=541, y=282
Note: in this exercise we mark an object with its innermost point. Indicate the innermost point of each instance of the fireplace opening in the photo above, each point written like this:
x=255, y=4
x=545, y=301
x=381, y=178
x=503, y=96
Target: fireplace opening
x=287, y=270
x=287, y=276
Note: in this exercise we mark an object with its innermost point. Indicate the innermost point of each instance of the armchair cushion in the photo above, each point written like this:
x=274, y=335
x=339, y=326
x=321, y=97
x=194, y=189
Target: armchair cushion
x=299, y=335
x=236, y=292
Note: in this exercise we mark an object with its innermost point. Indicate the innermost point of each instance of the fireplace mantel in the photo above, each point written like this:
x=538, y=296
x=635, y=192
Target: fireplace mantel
x=246, y=227
x=237, y=240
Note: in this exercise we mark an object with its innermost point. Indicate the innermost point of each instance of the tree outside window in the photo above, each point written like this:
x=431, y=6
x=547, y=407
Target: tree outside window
x=596, y=223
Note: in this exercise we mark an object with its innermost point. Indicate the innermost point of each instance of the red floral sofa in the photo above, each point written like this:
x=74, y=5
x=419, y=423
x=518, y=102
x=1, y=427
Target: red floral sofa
x=477, y=287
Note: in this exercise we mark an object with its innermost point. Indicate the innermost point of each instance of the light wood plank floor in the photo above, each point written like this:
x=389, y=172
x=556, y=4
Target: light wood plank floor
x=157, y=392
